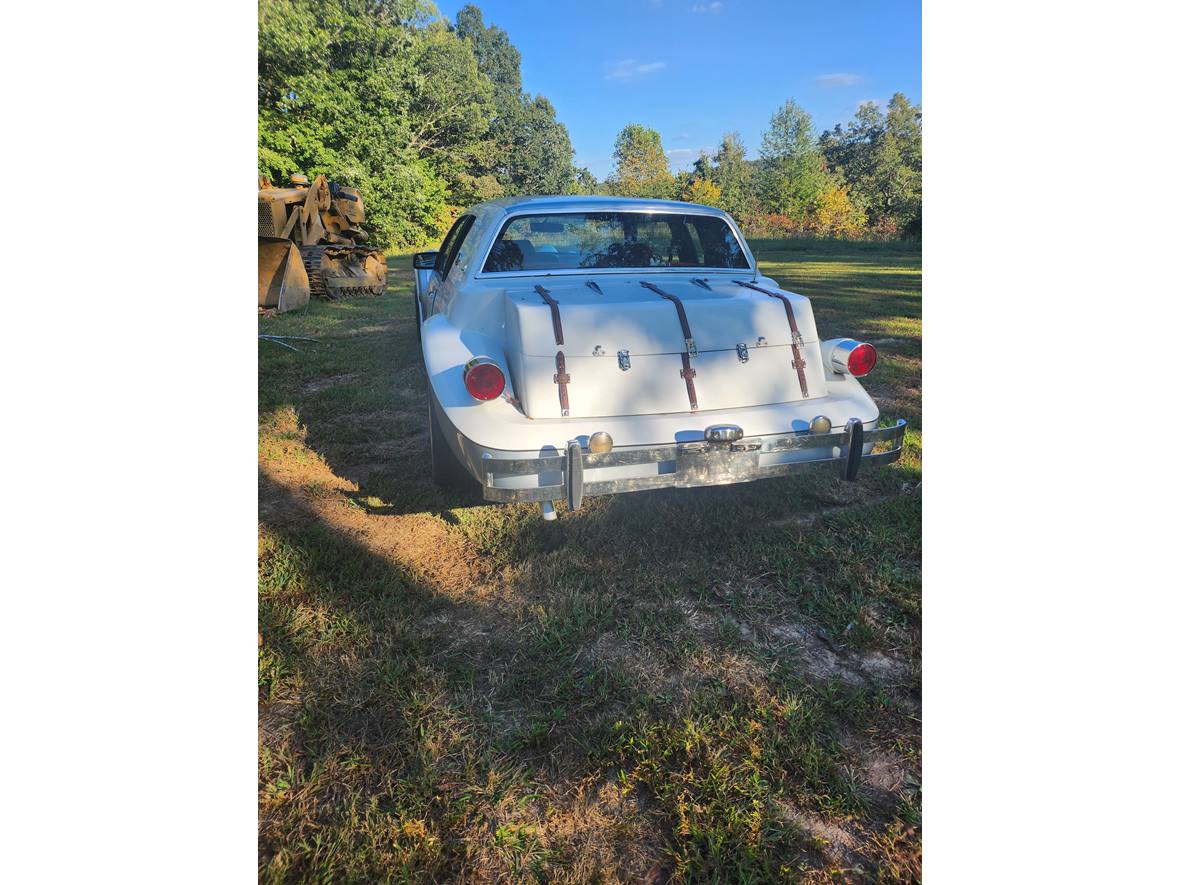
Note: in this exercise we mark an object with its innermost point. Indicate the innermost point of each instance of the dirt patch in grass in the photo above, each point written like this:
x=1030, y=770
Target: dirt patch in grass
x=606, y=832
x=371, y=329
x=820, y=659
x=883, y=771
x=798, y=643
x=328, y=382
x=852, y=500
x=835, y=847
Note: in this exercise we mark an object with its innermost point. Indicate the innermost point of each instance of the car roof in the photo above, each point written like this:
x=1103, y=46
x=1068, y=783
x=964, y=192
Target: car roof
x=577, y=203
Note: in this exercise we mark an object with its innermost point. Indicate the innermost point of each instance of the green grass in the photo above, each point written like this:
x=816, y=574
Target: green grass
x=698, y=685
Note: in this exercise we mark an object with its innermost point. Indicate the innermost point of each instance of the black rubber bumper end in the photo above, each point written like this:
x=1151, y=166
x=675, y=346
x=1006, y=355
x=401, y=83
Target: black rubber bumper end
x=856, y=445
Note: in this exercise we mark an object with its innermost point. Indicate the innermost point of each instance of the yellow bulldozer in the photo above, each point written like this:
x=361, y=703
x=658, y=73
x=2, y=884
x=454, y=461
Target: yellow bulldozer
x=310, y=243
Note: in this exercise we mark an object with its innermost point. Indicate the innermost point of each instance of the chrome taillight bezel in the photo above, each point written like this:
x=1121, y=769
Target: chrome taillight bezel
x=840, y=352
x=484, y=361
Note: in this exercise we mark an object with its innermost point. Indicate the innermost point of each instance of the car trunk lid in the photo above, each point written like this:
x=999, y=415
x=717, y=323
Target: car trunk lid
x=649, y=343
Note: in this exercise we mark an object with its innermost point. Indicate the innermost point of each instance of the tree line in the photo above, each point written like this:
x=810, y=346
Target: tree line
x=426, y=117
x=854, y=180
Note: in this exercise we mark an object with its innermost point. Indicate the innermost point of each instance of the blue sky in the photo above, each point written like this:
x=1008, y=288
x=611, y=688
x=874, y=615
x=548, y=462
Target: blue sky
x=694, y=69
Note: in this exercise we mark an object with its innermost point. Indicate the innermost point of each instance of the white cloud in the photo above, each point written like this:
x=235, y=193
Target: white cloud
x=683, y=158
x=830, y=80
x=715, y=6
x=629, y=69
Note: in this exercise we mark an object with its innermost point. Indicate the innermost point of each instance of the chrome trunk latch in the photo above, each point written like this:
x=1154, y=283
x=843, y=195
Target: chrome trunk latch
x=743, y=353
x=624, y=360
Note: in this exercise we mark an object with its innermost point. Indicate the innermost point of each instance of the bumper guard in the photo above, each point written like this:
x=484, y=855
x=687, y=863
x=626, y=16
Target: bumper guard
x=692, y=464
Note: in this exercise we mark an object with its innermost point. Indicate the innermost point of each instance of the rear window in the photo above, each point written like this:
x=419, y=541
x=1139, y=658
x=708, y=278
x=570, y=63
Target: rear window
x=588, y=240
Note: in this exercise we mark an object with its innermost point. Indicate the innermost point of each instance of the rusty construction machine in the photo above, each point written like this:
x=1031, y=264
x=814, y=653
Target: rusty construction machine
x=310, y=243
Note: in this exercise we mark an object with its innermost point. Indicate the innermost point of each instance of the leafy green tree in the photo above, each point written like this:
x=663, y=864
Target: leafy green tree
x=904, y=122
x=531, y=151
x=369, y=93
x=879, y=155
x=792, y=172
x=702, y=166
x=903, y=187
x=537, y=155
x=641, y=166
x=700, y=190
x=850, y=150
x=836, y=214
x=498, y=59
x=730, y=171
x=585, y=182
x=449, y=108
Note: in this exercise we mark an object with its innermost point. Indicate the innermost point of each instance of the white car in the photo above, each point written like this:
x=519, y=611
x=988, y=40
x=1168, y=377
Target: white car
x=591, y=345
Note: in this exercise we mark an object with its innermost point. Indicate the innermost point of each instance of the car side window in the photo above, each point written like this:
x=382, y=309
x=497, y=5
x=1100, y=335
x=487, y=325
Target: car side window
x=448, y=242
x=449, y=250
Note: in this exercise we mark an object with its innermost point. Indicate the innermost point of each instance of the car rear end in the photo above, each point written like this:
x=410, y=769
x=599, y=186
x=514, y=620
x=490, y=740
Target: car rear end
x=610, y=378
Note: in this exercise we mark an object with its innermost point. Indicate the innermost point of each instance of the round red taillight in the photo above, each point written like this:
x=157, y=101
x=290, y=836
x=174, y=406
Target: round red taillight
x=861, y=360
x=483, y=380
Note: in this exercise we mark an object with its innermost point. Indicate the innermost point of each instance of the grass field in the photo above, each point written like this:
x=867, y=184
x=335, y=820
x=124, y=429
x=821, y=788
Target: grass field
x=710, y=685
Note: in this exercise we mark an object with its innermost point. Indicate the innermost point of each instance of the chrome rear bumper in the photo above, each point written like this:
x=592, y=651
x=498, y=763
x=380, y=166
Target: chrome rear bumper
x=576, y=473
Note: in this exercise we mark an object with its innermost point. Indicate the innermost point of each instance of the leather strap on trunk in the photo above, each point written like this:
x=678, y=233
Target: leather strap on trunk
x=688, y=373
x=561, y=379
x=690, y=347
x=554, y=312
x=796, y=337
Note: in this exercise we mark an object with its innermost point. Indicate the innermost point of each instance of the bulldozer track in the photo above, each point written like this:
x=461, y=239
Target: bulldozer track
x=320, y=288
x=312, y=256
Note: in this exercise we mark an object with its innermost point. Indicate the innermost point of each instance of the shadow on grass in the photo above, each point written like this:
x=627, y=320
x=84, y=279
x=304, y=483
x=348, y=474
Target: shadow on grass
x=365, y=748
x=411, y=711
